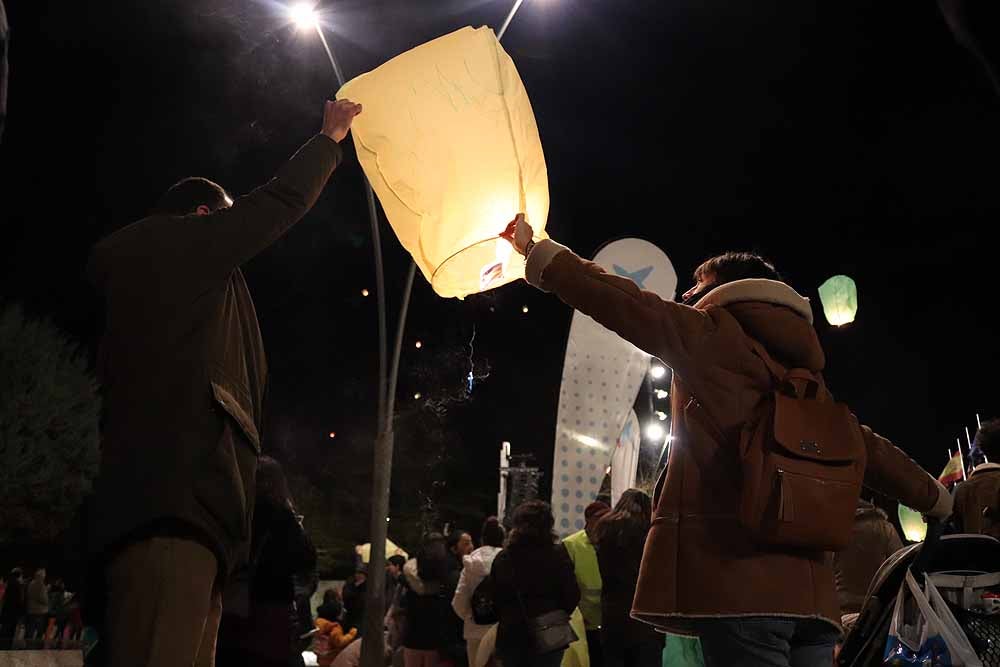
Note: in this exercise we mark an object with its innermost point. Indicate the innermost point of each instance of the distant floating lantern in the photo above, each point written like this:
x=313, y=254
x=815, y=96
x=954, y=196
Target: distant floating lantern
x=839, y=296
x=416, y=396
x=524, y=309
x=914, y=528
x=332, y=435
x=418, y=345
x=449, y=143
x=364, y=292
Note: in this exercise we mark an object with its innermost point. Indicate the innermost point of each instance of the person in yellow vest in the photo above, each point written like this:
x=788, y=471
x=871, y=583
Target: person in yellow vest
x=581, y=550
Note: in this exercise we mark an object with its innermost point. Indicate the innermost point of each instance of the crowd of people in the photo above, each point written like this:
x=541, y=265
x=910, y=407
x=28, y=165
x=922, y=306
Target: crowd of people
x=38, y=611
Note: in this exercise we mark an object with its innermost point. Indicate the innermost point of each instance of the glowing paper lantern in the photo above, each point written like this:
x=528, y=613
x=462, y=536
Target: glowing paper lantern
x=914, y=528
x=839, y=295
x=449, y=143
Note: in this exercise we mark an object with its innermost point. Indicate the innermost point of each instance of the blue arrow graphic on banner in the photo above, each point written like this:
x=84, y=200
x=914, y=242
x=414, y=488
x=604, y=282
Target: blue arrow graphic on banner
x=638, y=277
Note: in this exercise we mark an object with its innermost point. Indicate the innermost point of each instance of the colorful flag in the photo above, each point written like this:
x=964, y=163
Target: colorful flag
x=953, y=470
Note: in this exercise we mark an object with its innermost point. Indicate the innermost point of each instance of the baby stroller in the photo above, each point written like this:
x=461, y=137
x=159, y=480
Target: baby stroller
x=962, y=567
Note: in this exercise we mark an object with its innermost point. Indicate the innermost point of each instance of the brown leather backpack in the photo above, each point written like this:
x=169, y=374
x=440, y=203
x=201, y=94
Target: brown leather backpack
x=803, y=460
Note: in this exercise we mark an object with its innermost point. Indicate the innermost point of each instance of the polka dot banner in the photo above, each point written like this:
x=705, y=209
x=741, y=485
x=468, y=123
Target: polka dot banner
x=601, y=378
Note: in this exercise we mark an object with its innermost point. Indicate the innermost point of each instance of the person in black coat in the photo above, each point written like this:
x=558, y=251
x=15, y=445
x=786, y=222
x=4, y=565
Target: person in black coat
x=281, y=549
x=355, y=597
x=532, y=576
x=15, y=607
x=427, y=605
x=621, y=537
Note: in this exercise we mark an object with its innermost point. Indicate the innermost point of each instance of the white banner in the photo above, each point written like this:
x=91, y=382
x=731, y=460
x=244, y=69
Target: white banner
x=625, y=459
x=601, y=378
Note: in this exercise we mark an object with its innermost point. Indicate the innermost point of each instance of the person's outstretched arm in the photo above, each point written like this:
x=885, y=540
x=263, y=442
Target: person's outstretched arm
x=891, y=472
x=664, y=329
x=224, y=239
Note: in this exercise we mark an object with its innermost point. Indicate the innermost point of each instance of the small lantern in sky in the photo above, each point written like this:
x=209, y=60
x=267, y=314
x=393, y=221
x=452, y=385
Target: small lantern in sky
x=839, y=296
x=449, y=143
x=914, y=528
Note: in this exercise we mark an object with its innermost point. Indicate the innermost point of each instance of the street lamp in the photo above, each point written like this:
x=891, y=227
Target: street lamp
x=303, y=15
x=655, y=432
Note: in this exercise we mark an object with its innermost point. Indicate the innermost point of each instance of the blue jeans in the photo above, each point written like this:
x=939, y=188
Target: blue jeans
x=766, y=641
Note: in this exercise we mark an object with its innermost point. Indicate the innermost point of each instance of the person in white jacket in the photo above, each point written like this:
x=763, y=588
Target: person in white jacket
x=475, y=568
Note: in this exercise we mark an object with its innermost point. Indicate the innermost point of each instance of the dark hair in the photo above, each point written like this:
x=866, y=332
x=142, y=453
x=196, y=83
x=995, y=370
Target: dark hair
x=630, y=517
x=432, y=561
x=331, y=595
x=186, y=195
x=455, y=536
x=731, y=266
x=532, y=524
x=988, y=439
x=592, y=516
x=271, y=483
x=493, y=533
x=397, y=560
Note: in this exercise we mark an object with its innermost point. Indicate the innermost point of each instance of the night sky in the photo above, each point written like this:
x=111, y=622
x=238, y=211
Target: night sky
x=834, y=137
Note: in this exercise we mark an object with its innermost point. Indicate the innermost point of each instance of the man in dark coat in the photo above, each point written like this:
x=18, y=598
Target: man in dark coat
x=183, y=372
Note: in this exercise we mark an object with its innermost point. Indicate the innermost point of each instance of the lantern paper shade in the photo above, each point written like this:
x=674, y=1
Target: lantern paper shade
x=914, y=528
x=449, y=143
x=839, y=296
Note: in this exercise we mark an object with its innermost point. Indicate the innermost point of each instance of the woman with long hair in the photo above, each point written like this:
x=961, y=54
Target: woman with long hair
x=532, y=576
x=621, y=538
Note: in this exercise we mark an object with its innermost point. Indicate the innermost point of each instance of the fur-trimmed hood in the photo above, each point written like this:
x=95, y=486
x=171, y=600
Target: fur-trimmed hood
x=774, y=314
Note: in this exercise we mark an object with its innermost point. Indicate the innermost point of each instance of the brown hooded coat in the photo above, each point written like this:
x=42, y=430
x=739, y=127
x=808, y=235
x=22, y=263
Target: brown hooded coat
x=699, y=562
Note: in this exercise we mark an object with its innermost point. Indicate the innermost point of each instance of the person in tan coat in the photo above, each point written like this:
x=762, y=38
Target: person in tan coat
x=701, y=572
x=873, y=540
x=977, y=500
x=183, y=372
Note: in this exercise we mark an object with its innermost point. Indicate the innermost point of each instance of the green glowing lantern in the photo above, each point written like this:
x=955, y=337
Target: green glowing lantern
x=914, y=528
x=839, y=295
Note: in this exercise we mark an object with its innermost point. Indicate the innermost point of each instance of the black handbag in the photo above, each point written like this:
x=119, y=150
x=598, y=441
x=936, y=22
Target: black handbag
x=483, y=608
x=550, y=631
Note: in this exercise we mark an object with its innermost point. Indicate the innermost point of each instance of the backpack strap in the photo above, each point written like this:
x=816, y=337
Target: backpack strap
x=784, y=377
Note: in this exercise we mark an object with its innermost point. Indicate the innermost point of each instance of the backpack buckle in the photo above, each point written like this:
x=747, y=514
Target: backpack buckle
x=808, y=446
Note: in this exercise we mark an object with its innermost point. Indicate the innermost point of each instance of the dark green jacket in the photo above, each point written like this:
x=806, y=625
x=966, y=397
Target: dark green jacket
x=182, y=364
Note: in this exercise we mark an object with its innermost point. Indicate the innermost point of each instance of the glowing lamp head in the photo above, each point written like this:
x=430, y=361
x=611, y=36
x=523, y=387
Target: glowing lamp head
x=655, y=432
x=303, y=15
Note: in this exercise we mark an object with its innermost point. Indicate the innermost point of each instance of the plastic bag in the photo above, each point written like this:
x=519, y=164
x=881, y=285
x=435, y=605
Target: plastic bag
x=930, y=637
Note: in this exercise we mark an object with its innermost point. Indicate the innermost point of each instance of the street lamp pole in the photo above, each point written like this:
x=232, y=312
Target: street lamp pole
x=373, y=646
